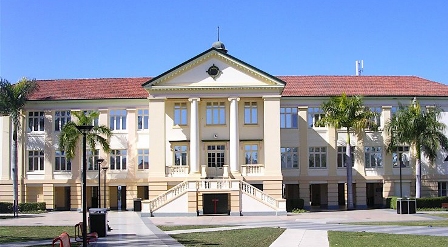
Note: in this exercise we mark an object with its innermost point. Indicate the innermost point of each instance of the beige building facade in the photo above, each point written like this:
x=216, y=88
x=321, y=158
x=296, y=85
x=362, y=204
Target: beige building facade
x=215, y=135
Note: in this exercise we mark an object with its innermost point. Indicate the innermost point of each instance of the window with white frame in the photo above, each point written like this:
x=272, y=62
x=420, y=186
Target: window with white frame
x=288, y=118
x=314, y=115
x=289, y=157
x=118, y=159
x=251, y=154
x=142, y=119
x=377, y=118
x=317, y=157
x=180, y=155
x=342, y=156
x=250, y=113
x=401, y=156
x=61, y=162
x=180, y=114
x=36, y=121
x=442, y=190
x=36, y=160
x=92, y=156
x=143, y=159
x=60, y=119
x=373, y=156
x=117, y=119
x=216, y=113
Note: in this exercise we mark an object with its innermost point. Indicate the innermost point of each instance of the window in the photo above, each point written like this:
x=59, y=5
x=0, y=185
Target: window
x=118, y=159
x=401, y=156
x=36, y=160
x=60, y=119
x=92, y=157
x=317, y=157
x=180, y=114
x=95, y=120
x=290, y=158
x=288, y=118
x=250, y=113
x=342, y=157
x=373, y=156
x=376, y=120
x=314, y=115
x=36, y=121
x=143, y=119
x=215, y=155
x=61, y=163
x=443, y=188
x=251, y=154
x=180, y=155
x=143, y=159
x=118, y=119
x=216, y=113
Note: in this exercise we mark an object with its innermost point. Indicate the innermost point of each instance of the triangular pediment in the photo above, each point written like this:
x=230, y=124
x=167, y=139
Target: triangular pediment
x=195, y=74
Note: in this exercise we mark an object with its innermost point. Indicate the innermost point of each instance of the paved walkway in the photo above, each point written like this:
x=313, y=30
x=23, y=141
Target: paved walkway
x=307, y=229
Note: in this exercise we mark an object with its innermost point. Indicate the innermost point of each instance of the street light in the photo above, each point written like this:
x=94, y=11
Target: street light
x=99, y=161
x=104, y=172
x=84, y=129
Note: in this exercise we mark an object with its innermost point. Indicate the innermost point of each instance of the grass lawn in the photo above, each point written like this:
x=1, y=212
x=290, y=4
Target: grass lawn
x=257, y=237
x=438, y=223
x=10, y=234
x=166, y=228
x=366, y=239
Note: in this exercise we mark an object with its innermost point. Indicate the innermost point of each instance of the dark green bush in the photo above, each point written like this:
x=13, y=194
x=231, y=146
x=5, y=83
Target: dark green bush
x=294, y=204
x=5, y=207
x=391, y=202
x=431, y=202
x=32, y=206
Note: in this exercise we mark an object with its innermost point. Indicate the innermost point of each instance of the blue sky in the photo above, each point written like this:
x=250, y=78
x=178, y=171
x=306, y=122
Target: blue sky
x=96, y=39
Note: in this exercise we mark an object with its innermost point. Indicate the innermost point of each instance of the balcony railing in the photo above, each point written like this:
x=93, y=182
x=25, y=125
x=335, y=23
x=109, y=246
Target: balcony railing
x=177, y=171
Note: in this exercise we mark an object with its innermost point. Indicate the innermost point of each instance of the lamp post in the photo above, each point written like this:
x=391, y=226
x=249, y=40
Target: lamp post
x=98, y=162
x=104, y=168
x=84, y=129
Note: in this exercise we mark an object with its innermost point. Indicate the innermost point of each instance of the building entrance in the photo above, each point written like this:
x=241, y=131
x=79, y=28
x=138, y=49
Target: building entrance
x=216, y=203
x=215, y=160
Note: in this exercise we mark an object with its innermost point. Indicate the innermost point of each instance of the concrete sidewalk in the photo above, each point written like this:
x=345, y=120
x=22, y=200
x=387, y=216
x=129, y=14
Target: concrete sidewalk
x=306, y=229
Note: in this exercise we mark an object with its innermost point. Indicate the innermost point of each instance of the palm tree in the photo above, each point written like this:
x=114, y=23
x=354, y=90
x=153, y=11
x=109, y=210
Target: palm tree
x=69, y=136
x=422, y=130
x=348, y=113
x=13, y=98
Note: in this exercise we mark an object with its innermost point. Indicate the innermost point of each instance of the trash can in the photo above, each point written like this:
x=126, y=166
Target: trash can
x=98, y=221
x=406, y=206
x=137, y=204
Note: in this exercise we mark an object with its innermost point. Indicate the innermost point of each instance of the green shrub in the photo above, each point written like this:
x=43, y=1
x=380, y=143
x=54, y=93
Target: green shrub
x=6, y=207
x=431, y=202
x=391, y=202
x=32, y=206
x=294, y=204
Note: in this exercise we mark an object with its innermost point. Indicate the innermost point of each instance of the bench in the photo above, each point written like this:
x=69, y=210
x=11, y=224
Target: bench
x=445, y=205
x=63, y=240
x=91, y=237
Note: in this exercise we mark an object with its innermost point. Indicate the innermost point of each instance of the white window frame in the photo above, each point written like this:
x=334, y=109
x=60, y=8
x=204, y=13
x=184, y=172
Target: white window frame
x=36, y=121
x=405, y=157
x=314, y=114
x=117, y=119
x=317, y=157
x=373, y=154
x=38, y=160
x=289, y=157
x=289, y=118
x=92, y=157
x=142, y=119
x=61, y=163
x=143, y=159
x=180, y=114
x=251, y=154
x=342, y=156
x=118, y=159
x=250, y=113
x=442, y=188
x=180, y=155
x=61, y=118
x=215, y=113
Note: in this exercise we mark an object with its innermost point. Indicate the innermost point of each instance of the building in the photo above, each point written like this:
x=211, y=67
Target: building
x=217, y=135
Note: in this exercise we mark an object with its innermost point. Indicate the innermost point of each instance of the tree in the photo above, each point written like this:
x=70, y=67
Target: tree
x=421, y=129
x=350, y=114
x=13, y=98
x=69, y=136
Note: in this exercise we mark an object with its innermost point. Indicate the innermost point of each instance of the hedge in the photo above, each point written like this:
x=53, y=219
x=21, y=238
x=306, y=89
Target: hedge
x=294, y=204
x=6, y=207
x=427, y=202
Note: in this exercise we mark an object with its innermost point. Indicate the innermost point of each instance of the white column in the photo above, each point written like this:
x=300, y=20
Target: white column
x=234, y=136
x=194, y=137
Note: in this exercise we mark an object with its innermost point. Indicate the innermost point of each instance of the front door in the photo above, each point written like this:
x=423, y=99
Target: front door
x=215, y=160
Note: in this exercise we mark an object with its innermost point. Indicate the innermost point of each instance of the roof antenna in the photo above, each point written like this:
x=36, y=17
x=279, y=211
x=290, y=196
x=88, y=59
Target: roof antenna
x=359, y=66
x=218, y=33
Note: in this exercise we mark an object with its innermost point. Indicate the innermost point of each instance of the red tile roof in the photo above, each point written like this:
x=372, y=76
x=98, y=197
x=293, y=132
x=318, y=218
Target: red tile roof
x=103, y=88
x=302, y=86
x=361, y=85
